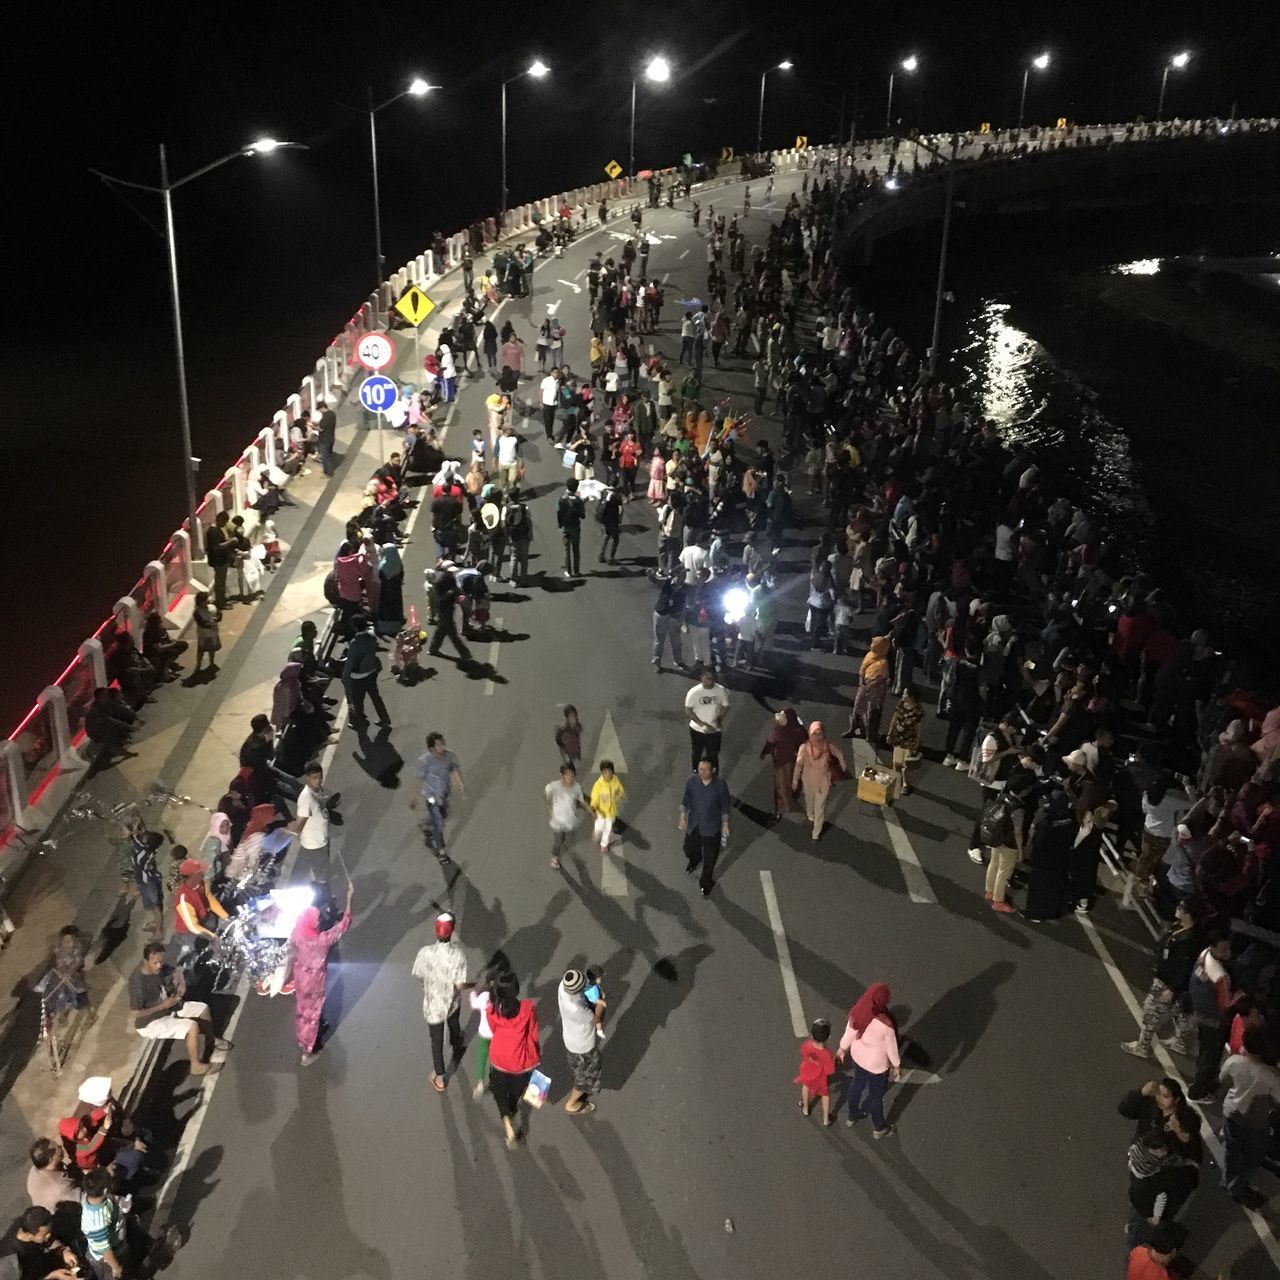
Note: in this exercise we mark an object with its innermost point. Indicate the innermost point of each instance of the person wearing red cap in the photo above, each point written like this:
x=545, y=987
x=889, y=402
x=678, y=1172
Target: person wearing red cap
x=442, y=969
x=195, y=908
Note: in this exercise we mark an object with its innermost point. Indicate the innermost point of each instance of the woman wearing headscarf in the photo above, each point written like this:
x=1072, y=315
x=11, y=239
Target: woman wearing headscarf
x=391, y=593
x=870, y=1042
x=1267, y=747
x=217, y=844
x=785, y=739
x=309, y=973
x=818, y=764
x=868, y=702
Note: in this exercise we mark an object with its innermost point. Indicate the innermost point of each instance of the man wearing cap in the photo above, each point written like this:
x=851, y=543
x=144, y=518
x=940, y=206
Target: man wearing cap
x=194, y=908
x=160, y=1010
x=580, y=1028
x=442, y=968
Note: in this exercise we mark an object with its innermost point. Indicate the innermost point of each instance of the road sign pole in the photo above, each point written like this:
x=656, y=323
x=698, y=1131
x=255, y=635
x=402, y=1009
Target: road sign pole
x=382, y=448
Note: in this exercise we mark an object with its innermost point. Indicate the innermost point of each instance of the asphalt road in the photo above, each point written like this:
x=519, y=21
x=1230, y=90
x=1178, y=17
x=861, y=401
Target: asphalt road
x=1009, y=1157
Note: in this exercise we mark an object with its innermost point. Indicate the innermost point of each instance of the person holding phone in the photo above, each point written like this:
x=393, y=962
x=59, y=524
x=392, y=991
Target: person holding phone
x=582, y=1009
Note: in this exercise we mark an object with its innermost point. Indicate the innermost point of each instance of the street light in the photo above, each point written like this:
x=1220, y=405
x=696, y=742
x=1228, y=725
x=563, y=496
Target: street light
x=537, y=69
x=908, y=65
x=1040, y=62
x=657, y=71
x=785, y=65
x=260, y=147
x=1178, y=61
x=418, y=88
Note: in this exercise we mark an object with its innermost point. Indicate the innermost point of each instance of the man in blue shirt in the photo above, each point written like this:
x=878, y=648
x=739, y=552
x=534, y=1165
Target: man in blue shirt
x=704, y=819
x=437, y=772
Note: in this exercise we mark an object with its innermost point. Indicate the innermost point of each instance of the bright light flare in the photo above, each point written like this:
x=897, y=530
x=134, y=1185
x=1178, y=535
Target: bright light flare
x=419, y=87
x=1041, y=62
x=539, y=69
x=911, y=63
x=658, y=70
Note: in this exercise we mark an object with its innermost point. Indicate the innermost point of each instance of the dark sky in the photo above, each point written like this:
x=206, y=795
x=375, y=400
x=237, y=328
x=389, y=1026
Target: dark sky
x=276, y=253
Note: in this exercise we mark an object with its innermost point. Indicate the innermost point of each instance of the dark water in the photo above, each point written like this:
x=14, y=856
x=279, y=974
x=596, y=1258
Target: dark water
x=1176, y=447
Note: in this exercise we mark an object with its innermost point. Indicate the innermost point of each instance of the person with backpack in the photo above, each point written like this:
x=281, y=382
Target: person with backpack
x=609, y=514
x=569, y=514
x=447, y=595
x=517, y=525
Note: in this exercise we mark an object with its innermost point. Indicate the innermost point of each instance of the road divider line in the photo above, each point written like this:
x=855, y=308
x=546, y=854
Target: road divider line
x=918, y=886
x=789, y=984
x=495, y=647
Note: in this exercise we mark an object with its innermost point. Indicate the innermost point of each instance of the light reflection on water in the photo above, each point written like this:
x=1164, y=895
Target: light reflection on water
x=1014, y=381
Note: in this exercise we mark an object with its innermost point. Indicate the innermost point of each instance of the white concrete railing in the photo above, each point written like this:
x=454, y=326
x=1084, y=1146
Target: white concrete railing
x=45, y=740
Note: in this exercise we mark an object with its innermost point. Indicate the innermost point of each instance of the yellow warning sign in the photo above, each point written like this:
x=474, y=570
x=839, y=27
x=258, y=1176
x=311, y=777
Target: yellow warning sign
x=802, y=141
x=414, y=305
x=1062, y=122
x=613, y=168
x=985, y=127
x=726, y=154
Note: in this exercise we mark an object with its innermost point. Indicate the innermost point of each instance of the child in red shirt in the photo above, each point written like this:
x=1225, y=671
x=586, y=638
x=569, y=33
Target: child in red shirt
x=817, y=1066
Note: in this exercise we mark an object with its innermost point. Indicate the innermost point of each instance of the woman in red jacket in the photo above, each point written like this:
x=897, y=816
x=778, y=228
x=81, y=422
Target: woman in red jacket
x=513, y=1051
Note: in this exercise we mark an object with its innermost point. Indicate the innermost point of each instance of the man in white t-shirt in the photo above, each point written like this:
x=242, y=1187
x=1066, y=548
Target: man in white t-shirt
x=312, y=827
x=508, y=455
x=564, y=799
x=707, y=702
x=550, y=395
x=694, y=558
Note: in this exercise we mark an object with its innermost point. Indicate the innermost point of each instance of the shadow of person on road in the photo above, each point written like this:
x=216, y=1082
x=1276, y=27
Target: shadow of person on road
x=378, y=758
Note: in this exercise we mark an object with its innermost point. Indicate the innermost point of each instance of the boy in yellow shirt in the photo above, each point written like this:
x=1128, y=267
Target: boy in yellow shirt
x=607, y=794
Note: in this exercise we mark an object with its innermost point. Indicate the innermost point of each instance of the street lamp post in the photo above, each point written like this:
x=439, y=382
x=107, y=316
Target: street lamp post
x=263, y=146
x=940, y=291
x=537, y=69
x=417, y=88
x=658, y=71
x=781, y=66
x=908, y=65
x=1040, y=63
x=1178, y=61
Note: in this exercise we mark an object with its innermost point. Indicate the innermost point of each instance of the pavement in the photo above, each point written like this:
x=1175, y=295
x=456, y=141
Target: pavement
x=1009, y=1156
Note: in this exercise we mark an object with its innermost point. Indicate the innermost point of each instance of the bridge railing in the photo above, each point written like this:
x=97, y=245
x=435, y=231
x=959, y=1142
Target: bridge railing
x=40, y=751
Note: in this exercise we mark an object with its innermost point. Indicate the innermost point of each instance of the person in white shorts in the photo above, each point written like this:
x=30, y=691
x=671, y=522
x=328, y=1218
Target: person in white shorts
x=157, y=999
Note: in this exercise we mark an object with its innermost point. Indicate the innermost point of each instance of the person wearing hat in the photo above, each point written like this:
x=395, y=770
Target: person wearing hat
x=194, y=908
x=495, y=537
x=582, y=1009
x=442, y=969
x=157, y=1001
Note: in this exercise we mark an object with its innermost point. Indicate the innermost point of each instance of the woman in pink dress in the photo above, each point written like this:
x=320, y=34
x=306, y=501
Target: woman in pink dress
x=818, y=764
x=310, y=973
x=657, y=477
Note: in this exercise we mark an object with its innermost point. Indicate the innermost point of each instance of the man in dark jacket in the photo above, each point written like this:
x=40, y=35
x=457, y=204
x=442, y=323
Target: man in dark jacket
x=446, y=594
x=326, y=435
x=218, y=555
x=1166, y=998
x=569, y=513
x=609, y=513
x=668, y=613
x=360, y=674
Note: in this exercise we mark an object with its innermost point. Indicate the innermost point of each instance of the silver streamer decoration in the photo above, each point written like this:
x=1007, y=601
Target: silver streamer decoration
x=241, y=948
x=163, y=793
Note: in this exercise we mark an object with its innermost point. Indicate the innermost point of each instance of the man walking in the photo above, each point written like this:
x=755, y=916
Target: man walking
x=569, y=513
x=446, y=594
x=704, y=820
x=437, y=771
x=312, y=826
x=518, y=526
x=508, y=458
x=564, y=799
x=668, y=612
x=442, y=969
x=707, y=702
x=582, y=1009
x=326, y=437
x=360, y=674
x=609, y=513
x=550, y=396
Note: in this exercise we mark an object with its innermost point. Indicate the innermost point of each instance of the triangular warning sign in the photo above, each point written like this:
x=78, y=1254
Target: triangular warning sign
x=414, y=305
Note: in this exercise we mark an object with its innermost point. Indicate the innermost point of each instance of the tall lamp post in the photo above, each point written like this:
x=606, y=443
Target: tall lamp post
x=781, y=66
x=657, y=71
x=940, y=291
x=1177, y=62
x=537, y=69
x=908, y=65
x=262, y=147
x=1040, y=62
x=418, y=88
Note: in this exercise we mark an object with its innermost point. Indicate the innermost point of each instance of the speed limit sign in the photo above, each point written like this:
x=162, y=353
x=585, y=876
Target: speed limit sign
x=375, y=350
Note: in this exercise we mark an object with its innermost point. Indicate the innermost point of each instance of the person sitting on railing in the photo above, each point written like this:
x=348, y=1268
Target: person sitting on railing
x=109, y=722
x=128, y=668
x=159, y=650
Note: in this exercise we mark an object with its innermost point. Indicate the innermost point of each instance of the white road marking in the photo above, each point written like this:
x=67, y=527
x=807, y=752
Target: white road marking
x=613, y=873
x=577, y=288
x=495, y=647
x=913, y=1075
x=1256, y=1220
x=613, y=868
x=789, y=985
x=553, y=307
x=577, y=275
x=609, y=747
x=684, y=255
x=912, y=872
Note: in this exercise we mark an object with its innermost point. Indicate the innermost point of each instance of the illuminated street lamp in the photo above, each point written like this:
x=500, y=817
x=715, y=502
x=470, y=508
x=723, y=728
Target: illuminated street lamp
x=259, y=147
x=781, y=66
x=908, y=65
x=1040, y=62
x=657, y=71
x=537, y=69
x=1178, y=61
x=418, y=88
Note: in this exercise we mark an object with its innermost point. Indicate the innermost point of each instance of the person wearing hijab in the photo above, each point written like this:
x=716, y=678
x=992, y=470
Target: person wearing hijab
x=286, y=697
x=870, y=1042
x=391, y=592
x=818, y=764
x=868, y=703
x=1267, y=747
x=1053, y=834
x=785, y=739
x=309, y=973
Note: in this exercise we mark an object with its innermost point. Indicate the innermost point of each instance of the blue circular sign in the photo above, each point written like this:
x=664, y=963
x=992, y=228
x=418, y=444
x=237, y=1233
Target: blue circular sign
x=378, y=394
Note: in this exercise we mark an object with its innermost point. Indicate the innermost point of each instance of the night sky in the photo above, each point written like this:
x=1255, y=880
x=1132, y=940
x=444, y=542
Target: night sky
x=276, y=253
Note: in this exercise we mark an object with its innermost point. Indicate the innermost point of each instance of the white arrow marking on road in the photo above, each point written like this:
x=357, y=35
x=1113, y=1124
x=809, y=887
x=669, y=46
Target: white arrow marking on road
x=553, y=307
x=577, y=288
x=613, y=867
x=913, y=1075
x=494, y=650
x=789, y=985
x=665, y=236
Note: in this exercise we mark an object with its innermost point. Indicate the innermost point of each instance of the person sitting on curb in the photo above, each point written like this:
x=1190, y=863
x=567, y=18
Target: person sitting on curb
x=157, y=1000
